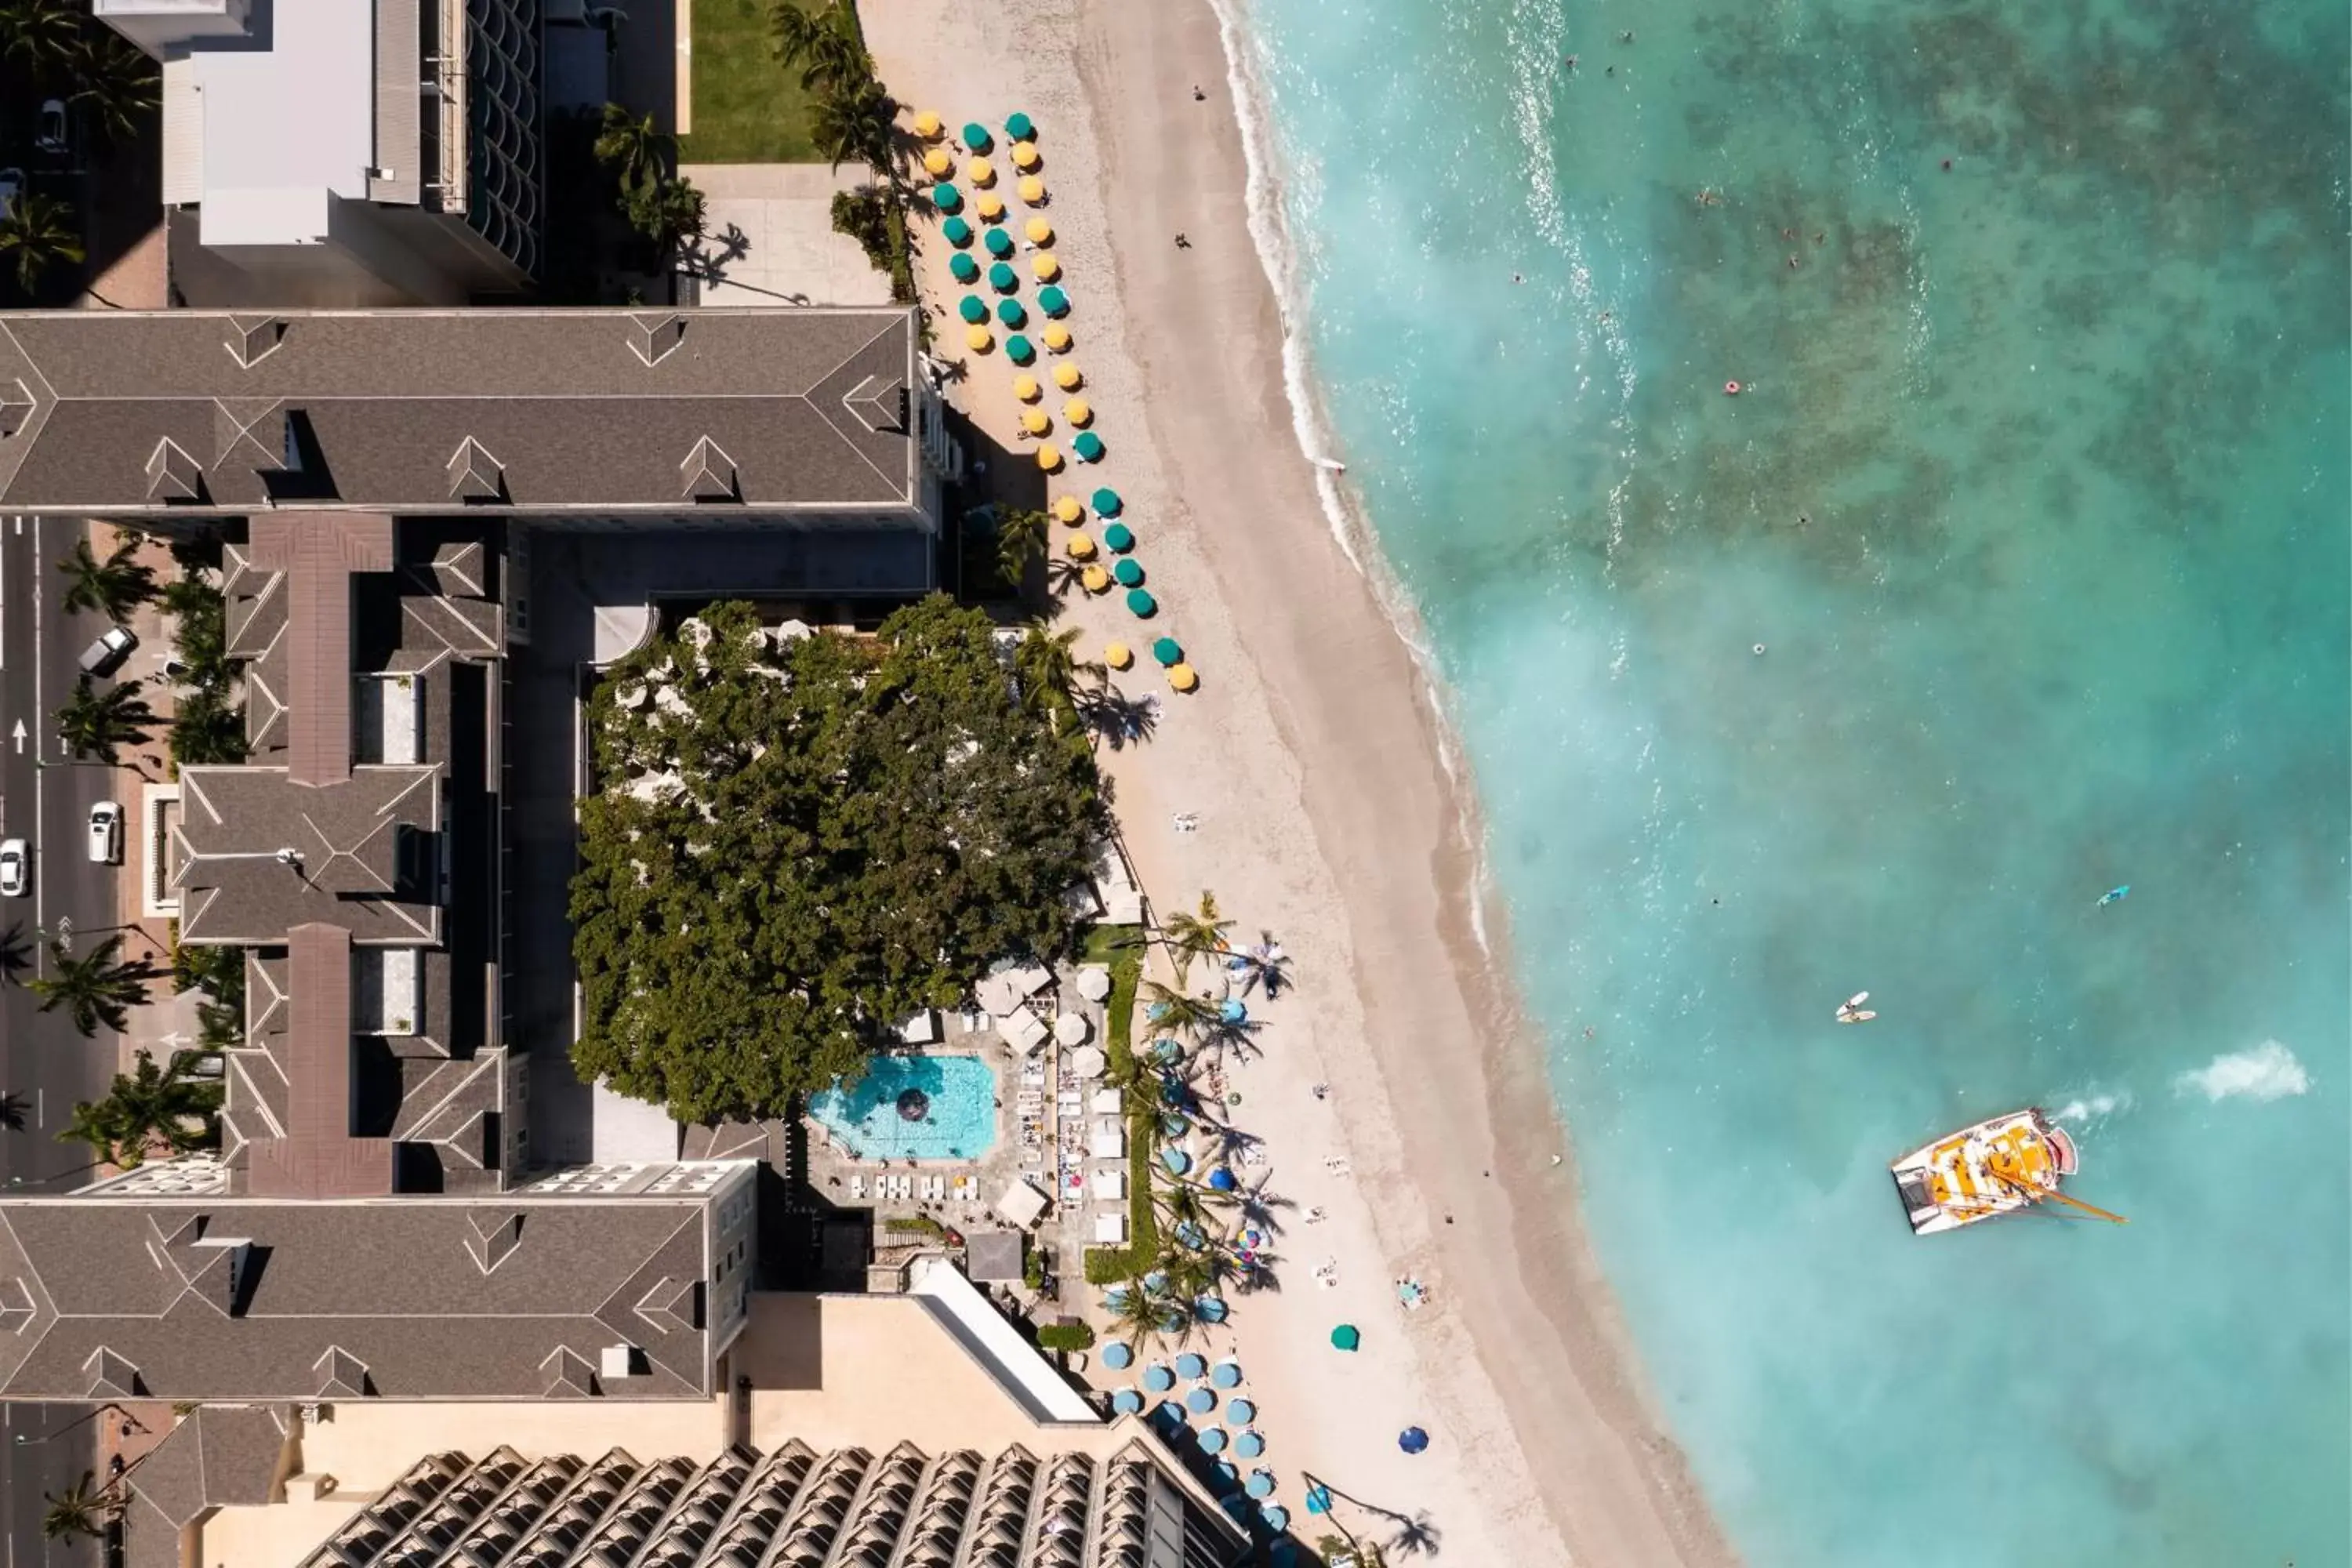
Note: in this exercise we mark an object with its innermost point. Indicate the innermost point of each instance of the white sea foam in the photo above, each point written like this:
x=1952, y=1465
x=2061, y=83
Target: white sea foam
x=2094, y=1105
x=2268, y=1072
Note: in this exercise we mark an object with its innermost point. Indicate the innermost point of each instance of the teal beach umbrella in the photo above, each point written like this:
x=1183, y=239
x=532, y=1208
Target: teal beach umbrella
x=1128, y=573
x=958, y=230
x=976, y=137
x=999, y=243
x=1051, y=299
x=1141, y=602
x=1010, y=312
x=1088, y=447
x=1118, y=539
x=1021, y=128
x=946, y=199
x=964, y=269
x=1019, y=349
x=973, y=309
x=1003, y=277
x=1107, y=502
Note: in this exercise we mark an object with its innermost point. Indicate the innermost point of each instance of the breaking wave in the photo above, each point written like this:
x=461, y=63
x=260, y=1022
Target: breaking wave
x=2269, y=1071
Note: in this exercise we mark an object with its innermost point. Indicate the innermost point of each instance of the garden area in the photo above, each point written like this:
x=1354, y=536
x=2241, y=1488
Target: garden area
x=747, y=109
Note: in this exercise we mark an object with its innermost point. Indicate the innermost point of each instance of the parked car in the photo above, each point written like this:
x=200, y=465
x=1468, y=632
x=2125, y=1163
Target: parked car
x=106, y=833
x=16, y=869
x=51, y=136
x=102, y=656
x=11, y=182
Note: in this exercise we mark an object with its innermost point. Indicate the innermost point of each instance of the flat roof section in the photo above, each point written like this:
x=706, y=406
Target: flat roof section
x=744, y=411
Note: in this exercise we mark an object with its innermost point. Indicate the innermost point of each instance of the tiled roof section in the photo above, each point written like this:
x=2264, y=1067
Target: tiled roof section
x=318, y=552
x=126, y=412
x=320, y=1154
x=259, y=854
x=219, y=1457
x=386, y=1297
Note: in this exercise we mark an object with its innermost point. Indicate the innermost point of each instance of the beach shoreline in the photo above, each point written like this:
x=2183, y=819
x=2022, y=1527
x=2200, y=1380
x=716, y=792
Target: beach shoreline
x=1312, y=766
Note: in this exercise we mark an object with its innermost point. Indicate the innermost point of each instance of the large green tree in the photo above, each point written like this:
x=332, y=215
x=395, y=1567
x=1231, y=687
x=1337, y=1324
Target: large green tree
x=856, y=121
x=824, y=43
x=795, y=844
x=146, y=1111
x=98, y=724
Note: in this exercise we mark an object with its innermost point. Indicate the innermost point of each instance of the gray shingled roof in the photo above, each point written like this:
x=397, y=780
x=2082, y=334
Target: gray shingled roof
x=234, y=823
x=220, y=1457
x=409, y=1298
x=130, y=412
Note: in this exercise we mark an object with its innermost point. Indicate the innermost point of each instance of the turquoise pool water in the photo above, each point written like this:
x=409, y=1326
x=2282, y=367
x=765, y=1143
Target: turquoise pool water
x=958, y=1113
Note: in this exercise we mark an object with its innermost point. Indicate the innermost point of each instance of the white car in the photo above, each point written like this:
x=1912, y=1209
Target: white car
x=51, y=137
x=106, y=832
x=16, y=869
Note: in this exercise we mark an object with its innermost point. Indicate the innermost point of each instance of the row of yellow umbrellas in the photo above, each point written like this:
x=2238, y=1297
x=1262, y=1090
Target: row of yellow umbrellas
x=1066, y=376
x=1180, y=675
x=1035, y=420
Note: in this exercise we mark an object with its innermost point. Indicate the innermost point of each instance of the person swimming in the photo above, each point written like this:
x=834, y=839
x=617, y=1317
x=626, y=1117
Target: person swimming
x=2114, y=896
x=1852, y=1011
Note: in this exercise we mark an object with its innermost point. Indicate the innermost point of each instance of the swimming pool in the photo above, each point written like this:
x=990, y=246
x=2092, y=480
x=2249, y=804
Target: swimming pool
x=949, y=1109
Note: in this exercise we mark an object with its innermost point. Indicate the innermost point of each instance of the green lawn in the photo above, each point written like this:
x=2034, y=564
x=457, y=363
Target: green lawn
x=747, y=108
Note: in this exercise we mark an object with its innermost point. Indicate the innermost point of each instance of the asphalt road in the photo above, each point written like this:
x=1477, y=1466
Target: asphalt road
x=45, y=1066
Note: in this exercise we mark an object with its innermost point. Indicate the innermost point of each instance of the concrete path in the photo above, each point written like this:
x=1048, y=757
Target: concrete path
x=771, y=240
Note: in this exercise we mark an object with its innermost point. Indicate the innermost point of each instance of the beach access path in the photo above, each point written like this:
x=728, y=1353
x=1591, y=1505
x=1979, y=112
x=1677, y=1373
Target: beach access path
x=1310, y=760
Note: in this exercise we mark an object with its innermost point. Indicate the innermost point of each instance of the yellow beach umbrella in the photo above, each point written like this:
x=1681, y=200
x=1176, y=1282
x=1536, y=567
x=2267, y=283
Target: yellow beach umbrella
x=990, y=207
x=936, y=163
x=1093, y=579
x=1056, y=337
x=1077, y=412
x=1045, y=268
x=980, y=172
x=1033, y=190
x=1025, y=155
x=928, y=125
x=1067, y=376
x=1035, y=423
x=1182, y=677
x=1040, y=232
x=1067, y=509
x=1117, y=654
x=1026, y=388
x=977, y=338
x=1081, y=547
x=1049, y=458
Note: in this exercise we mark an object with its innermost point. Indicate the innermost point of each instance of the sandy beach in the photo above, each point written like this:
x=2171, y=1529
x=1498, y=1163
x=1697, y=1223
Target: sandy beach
x=1310, y=762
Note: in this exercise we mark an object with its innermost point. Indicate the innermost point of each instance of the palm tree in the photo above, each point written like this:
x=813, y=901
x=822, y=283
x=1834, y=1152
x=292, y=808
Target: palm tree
x=39, y=32
x=824, y=43
x=1136, y=1313
x=93, y=989
x=856, y=121
x=93, y=1123
x=1178, y=1010
x=15, y=954
x=119, y=84
x=99, y=724
x=668, y=212
x=82, y=1509
x=1197, y=934
x=40, y=232
x=143, y=1110
x=1265, y=965
x=640, y=152
x=206, y=729
x=1020, y=539
x=1049, y=667
x=12, y=1110
x=114, y=586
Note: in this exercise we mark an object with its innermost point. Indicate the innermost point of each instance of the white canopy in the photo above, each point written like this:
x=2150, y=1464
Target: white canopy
x=1109, y=1183
x=1021, y=1205
x=1094, y=982
x=1110, y=1229
x=1030, y=979
x=1086, y=1061
x=998, y=993
x=1108, y=1102
x=1107, y=1142
x=1024, y=1031
x=1072, y=1028
x=922, y=1029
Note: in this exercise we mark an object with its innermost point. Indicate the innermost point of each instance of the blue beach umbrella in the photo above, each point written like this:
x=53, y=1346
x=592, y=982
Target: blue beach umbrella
x=1052, y=301
x=1318, y=1498
x=1191, y=1235
x=1156, y=1281
x=1213, y=1441
x=1200, y=1401
x=1117, y=1357
x=1158, y=1378
x=1261, y=1483
x=1191, y=1364
x=1126, y=1402
x=1222, y=1180
x=1176, y=1159
x=1240, y=1412
x=1233, y=1011
x=1227, y=1375
x=1277, y=1518
x=946, y=199
x=1249, y=1445
x=1413, y=1439
x=1209, y=1308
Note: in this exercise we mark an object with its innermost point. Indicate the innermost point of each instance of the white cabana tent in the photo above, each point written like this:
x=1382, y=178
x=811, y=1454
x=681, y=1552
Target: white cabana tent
x=1109, y=1183
x=1022, y=1206
x=1086, y=1061
x=1024, y=1031
x=1094, y=982
x=1110, y=1229
x=1030, y=979
x=1108, y=1142
x=1072, y=1028
x=998, y=995
x=1106, y=1102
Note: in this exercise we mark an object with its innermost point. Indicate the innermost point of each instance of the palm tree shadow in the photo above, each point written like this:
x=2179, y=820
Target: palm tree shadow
x=1416, y=1534
x=1121, y=720
x=12, y=1110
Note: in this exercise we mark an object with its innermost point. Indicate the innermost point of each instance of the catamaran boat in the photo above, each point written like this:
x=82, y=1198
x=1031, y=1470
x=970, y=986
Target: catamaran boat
x=2001, y=1165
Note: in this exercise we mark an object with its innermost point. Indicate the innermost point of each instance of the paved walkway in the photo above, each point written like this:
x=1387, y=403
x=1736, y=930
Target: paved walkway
x=771, y=240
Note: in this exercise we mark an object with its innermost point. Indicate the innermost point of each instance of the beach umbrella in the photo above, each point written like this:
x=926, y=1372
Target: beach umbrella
x=1080, y=547
x=1128, y=573
x=1213, y=1441
x=1118, y=537
x=1200, y=1401
x=1240, y=1413
x=973, y=309
x=1176, y=1159
x=1043, y=265
x=1277, y=1519
x=1094, y=580
x=1021, y=128
x=1017, y=350
x=981, y=173
x=1168, y=651
x=1222, y=1180
x=1346, y=1337
x=1233, y=1010
x=958, y=230
x=1040, y=232
x=1183, y=677
x=1034, y=422
x=976, y=137
x=1318, y=1498
x=1107, y=502
x=1066, y=509
x=1054, y=302
x=1025, y=155
x=1079, y=411
x=963, y=268
x=946, y=198
x=1166, y=1050
x=1125, y=1401
x=1158, y=1378
x=1010, y=312
x=1227, y=1375
x=927, y=124
x=1167, y=1419
x=1261, y=1483
x=1117, y=654
x=1026, y=389
x=999, y=244
x=1413, y=1439
x=977, y=339
x=1191, y=1364
x=990, y=207
x=1117, y=1357
x=1066, y=375
x=1209, y=1308
x=1141, y=604
x=1049, y=458
x=1191, y=1235
x=1057, y=338
x=936, y=163
x=1249, y=1445
x=1223, y=1478
x=1033, y=190
x=1071, y=1029
x=1088, y=447
x=1003, y=279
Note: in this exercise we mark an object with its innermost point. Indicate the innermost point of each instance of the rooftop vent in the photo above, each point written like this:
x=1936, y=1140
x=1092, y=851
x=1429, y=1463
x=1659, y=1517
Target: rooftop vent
x=494, y=1239
x=16, y=1307
x=710, y=473
x=172, y=474
x=652, y=335
x=878, y=403
x=340, y=1374
x=566, y=1371
x=252, y=338
x=672, y=1306
x=16, y=406
x=243, y=432
x=474, y=475
x=110, y=1374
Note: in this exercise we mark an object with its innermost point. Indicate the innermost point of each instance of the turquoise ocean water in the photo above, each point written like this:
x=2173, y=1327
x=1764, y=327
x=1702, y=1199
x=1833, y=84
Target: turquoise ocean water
x=2035, y=498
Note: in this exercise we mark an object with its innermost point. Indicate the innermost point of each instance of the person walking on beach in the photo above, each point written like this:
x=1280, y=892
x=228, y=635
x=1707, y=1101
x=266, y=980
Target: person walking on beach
x=1182, y=243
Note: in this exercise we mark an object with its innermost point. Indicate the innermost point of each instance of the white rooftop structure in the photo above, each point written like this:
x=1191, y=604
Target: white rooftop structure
x=287, y=128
